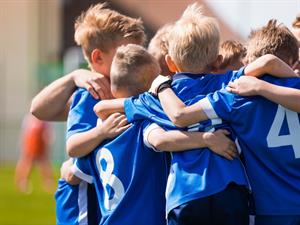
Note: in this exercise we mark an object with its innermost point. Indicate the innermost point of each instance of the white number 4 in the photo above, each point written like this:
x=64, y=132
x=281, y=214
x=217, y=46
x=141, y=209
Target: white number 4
x=293, y=138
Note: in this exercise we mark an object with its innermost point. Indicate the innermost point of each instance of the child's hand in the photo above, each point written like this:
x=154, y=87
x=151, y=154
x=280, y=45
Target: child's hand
x=114, y=125
x=66, y=173
x=220, y=144
x=97, y=84
x=245, y=86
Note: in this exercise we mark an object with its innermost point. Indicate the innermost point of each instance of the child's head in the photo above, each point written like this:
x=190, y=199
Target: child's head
x=158, y=47
x=296, y=28
x=132, y=71
x=193, y=42
x=233, y=54
x=99, y=31
x=273, y=39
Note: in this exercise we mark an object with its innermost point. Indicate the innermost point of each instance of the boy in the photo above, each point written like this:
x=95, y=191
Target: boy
x=158, y=47
x=232, y=53
x=272, y=159
x=198, y=192
x=99, y=31
x=127, y=173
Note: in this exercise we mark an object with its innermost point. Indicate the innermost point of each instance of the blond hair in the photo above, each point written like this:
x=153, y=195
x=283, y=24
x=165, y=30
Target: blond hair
x=133, y=70
x=102, y=28
x=273, y=39
x=232, y=53
x=194, y=40
x=158, y=47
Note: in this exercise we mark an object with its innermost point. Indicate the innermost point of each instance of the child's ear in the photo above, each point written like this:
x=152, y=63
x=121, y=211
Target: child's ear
x=171, y=65
x=96, y=56
x=217, y=63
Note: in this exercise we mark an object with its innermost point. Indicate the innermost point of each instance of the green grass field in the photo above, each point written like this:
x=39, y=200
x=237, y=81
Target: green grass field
x=36, y=208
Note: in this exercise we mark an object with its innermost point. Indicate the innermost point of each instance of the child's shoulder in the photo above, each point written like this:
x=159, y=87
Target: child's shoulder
x=82, y=96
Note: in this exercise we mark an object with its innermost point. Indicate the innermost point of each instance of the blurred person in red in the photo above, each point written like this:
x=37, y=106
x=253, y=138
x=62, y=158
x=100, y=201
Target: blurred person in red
x=36, y=136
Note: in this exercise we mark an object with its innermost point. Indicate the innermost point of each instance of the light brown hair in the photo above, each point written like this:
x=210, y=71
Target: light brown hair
x=194, y=40
x=274, y=39
x=133, y=70
x=158, y=47
x=233, y=53
x=102, y=28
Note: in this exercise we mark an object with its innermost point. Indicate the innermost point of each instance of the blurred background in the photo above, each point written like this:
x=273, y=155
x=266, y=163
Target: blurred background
x=37, y=47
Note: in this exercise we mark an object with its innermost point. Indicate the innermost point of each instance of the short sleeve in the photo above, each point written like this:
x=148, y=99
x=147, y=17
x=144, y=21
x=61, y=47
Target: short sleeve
x=237, y=74
x=146, y=133
x=81, y=169
x=146, y=107
x=135, y=110
x=218, y=105
x=81, y=116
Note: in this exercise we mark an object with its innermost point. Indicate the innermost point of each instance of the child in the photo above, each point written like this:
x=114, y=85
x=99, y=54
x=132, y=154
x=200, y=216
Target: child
x=99, y=31
x=201, y=186
x=127, y=173
x=158, y=47
x=296, y=32
x=272, y=159
x=232, y=53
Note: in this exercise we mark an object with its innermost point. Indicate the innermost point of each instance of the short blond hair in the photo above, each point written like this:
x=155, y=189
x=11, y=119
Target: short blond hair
x=158, y=47
x=194, y=40
x=274, y=39
x=102, y=28
x=133, y=70
x=232, y=52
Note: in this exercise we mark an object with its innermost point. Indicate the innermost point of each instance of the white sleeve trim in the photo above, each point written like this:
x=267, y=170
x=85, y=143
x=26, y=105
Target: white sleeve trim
x=78, y=173
x=147, y=131
x=208, y=109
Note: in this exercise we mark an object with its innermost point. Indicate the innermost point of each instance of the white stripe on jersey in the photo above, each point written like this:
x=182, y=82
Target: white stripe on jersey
x=82, y=203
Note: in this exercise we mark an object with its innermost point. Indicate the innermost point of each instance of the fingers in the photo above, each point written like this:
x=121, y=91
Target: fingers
x=123, y=128
x=101, y=86
x=223, y=131
x=91, y=90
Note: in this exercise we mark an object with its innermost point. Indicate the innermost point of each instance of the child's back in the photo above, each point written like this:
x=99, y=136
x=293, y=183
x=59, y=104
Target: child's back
x=130, y=177
x=202, y=185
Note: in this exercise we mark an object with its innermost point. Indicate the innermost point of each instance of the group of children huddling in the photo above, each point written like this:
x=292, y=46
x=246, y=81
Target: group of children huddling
x=209, y=144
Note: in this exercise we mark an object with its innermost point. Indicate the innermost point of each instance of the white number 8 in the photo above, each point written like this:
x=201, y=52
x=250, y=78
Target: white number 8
x=108, y=178
x=293, y=139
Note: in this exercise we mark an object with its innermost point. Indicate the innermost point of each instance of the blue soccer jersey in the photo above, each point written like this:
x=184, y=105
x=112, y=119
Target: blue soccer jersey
x=269, y=138
x=130, y=179
x=81, y=116
x=196, y=173
x=75, y=204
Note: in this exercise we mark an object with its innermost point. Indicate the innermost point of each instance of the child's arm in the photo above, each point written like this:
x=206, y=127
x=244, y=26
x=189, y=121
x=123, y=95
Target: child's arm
x=269, y=64
x=106, y=107
x=81, y=144
x=182, y=115
x=66, y=173
x=53, y=102
x=174, y=141
x=248, y=86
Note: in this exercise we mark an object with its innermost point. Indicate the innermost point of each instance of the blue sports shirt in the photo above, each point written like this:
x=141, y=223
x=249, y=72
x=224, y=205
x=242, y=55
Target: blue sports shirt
x=196, y=173
x=75, y=204
x=130, y=179
x=269, y=138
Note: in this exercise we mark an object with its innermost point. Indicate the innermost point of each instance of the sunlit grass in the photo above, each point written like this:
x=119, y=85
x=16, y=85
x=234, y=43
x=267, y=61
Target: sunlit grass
x=36, y=208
